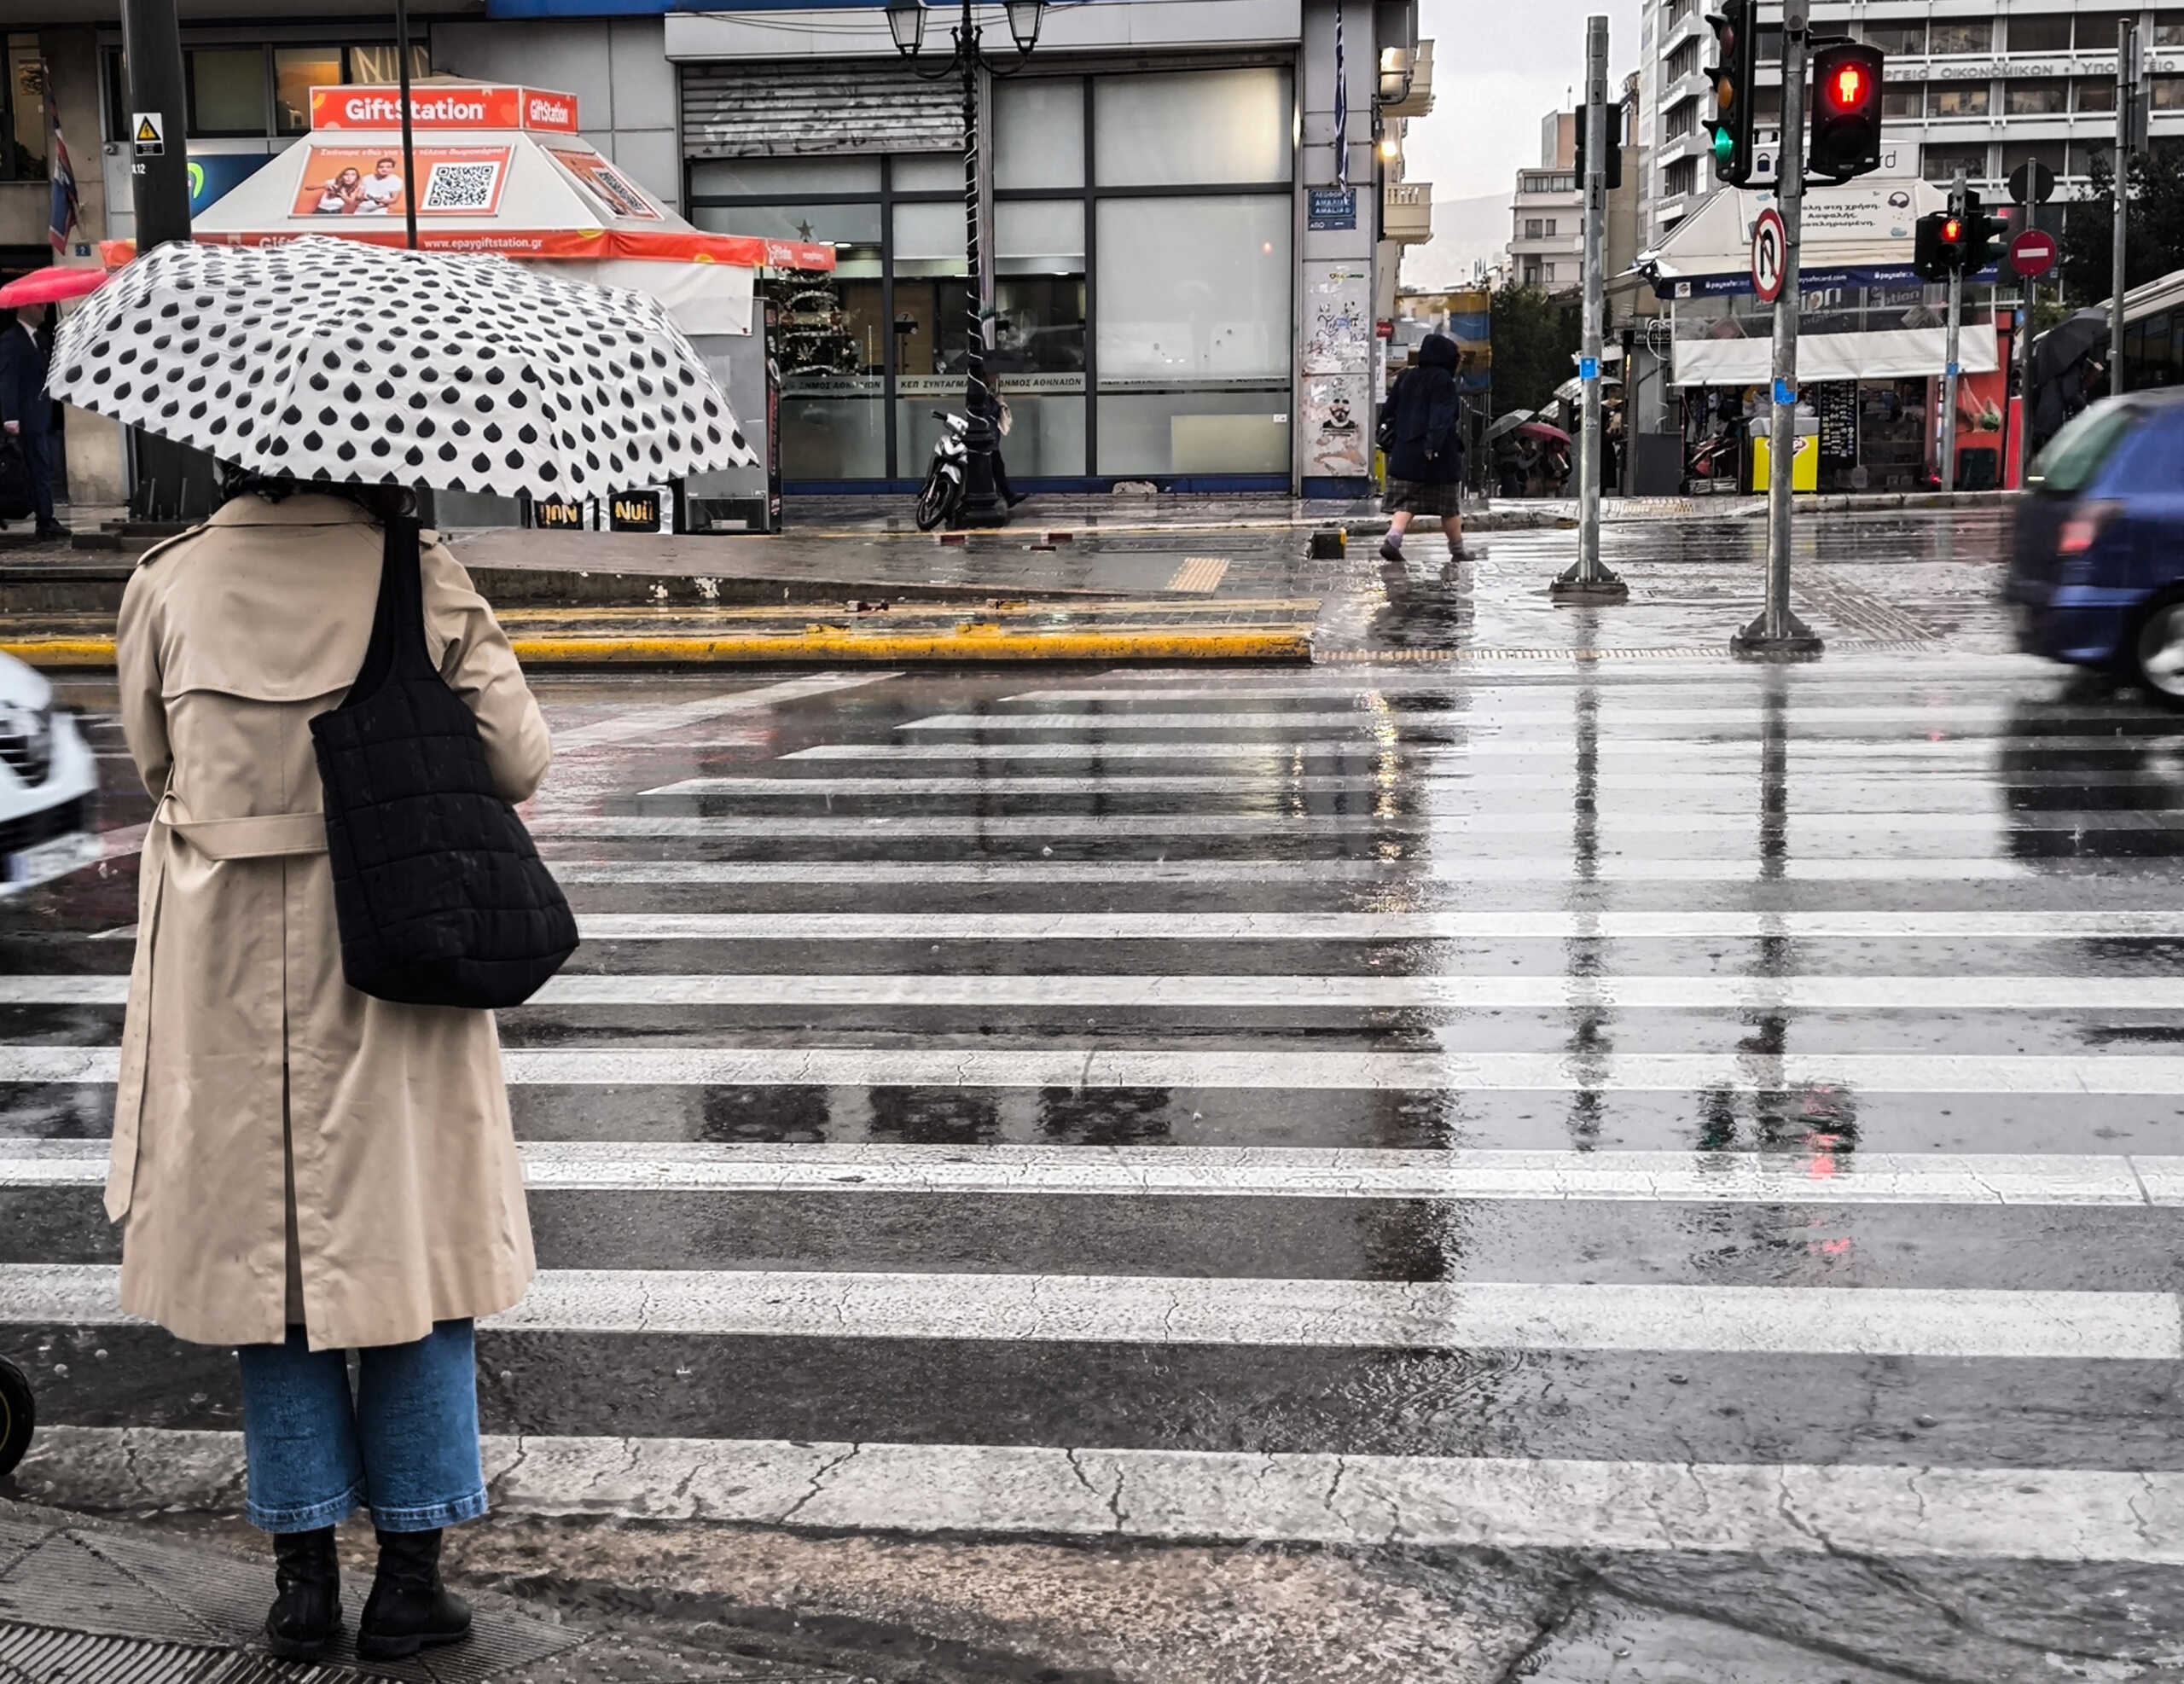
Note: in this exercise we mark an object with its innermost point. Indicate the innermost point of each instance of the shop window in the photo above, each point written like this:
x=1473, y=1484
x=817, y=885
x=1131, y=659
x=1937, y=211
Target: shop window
x=1942, y=163
x=2097, y=30
x=1903, y=100
x=382, y=64
x=784, y=178
x=1956, y=99
x=1905, y=40
x=1182, y=128
x=227, y=90
x=2040, y=31
x=1961, y=35
x=2095, y=93
x=296, y=72
x=930, y=172
x=22, y=111
x=1039, y=125
x=929, y=239
x=1193, y=334
x=2042, y=98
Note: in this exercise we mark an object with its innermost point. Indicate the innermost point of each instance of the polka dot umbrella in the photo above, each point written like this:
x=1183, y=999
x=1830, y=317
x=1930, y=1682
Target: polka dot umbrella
x=334, y=360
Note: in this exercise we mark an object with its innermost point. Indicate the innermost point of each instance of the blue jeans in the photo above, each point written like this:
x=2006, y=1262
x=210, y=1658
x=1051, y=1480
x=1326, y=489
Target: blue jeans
x=405, y=1445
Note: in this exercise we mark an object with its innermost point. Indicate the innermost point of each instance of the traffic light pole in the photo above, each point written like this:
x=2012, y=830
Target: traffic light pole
x=1951, y=368
x=1588, y=581
x=2129, y=89
x=1778, y=634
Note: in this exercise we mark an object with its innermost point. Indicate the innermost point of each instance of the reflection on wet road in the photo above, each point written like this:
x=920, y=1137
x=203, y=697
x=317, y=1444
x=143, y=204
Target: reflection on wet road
x=1668, y=1109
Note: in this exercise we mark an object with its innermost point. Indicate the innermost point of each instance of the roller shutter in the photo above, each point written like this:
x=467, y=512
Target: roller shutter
x=785, y=111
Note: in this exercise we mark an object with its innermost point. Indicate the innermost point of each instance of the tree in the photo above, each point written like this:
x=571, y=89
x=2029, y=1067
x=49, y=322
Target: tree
x=2156, y=225
x=1535, y=337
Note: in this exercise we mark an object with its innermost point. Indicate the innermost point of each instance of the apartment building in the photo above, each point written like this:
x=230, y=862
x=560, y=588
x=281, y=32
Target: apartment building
x=1983, y=90
x=1546, y=232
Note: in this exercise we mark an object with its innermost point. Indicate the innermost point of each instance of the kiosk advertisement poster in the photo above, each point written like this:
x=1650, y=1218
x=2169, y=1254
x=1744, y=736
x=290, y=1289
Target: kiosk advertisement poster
x=353, y=180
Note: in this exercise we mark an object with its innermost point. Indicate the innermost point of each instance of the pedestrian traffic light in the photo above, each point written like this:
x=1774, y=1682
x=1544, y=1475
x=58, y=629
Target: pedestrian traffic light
x=1846, y=82
x=1611, y=166
x=1735, y=80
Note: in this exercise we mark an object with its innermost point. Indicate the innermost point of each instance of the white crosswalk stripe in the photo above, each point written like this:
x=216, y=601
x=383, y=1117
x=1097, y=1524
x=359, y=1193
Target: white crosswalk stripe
x=1647, y=1085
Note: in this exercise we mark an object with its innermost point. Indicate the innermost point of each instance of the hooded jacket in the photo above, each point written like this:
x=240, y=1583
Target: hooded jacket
x=1428, y=447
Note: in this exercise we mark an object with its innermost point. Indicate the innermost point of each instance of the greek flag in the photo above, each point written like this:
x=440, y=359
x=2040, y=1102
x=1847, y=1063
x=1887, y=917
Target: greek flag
x=65, y=214
x=1341, y=107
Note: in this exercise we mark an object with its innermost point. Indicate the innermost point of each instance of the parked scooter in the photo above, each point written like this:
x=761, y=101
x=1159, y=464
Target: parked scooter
x=941, y=497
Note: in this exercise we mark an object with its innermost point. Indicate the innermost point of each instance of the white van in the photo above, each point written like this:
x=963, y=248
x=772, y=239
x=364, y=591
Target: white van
x=49, y=784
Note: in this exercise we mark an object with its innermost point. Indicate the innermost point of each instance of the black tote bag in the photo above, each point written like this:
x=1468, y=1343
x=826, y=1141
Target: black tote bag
x=440, y=894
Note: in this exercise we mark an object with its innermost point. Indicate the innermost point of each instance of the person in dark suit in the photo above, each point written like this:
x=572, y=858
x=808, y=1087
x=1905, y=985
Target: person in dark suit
x=26, y=412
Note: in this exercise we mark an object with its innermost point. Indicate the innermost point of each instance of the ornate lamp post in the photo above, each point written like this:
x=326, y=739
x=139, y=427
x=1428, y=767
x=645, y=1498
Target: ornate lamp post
x=982, y=503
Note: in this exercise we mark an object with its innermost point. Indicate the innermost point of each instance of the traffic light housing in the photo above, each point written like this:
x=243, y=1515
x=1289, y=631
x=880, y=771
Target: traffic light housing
x=1846, y=83
x=1736, y=80
x=1933, y=239
x=1611, y=166
x=1983, y=234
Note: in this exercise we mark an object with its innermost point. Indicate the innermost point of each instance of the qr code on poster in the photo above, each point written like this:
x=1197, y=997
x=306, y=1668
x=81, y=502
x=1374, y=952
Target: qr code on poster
x=462, y=187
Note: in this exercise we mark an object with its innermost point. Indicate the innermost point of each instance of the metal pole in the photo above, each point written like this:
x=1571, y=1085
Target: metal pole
x=2029, y=295
x=1588, y=581
x=982, y=504
x=408, y=151
x=151, y=41
x=1951, y=369
x=1778, y=634
x=2127, y=91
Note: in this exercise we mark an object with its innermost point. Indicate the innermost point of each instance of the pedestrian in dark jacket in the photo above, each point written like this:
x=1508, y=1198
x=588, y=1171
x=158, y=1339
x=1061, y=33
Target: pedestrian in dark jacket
x=25, y=412
x=1422, y=432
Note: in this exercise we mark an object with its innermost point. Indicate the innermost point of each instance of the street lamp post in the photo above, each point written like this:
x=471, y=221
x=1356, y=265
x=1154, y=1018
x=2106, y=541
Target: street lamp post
x=982, y=505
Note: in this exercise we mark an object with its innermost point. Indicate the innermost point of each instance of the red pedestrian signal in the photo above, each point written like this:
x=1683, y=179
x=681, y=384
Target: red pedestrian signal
x=1846, y=79
x=1952, y=231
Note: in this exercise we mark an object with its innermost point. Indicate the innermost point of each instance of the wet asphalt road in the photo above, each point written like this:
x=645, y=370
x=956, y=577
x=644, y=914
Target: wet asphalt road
x=1689, y=1115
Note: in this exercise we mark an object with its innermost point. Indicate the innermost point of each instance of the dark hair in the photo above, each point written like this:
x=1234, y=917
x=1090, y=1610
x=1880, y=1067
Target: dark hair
x=382, y=502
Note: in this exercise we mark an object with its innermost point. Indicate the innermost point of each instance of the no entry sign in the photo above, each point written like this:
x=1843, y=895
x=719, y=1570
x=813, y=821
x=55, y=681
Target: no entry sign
x=2033, y=254
x=1770, y=251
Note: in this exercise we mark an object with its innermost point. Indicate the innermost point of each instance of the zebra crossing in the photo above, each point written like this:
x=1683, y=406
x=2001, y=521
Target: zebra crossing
x=1675, y=1108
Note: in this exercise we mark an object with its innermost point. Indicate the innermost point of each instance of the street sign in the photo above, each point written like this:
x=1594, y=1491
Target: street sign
x=1331, y=209
x=1770, y=251
x=148, y=129
x=2032, y=183
x=2033, y=254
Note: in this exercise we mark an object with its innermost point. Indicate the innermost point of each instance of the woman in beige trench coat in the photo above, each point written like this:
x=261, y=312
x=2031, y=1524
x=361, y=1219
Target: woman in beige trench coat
x=298, y=1170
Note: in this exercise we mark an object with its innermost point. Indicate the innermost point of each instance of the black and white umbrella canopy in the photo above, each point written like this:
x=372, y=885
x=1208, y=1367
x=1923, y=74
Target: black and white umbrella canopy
x=336, y=360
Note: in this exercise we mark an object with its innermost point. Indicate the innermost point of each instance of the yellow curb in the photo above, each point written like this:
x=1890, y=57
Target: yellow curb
x=820, y=643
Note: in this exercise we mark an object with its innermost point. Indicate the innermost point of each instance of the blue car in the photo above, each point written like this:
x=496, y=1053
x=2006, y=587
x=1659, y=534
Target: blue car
x=2097, y=571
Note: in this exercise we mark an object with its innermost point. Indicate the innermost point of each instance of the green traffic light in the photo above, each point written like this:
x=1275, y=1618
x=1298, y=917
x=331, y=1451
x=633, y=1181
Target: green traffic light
x=1725, y=146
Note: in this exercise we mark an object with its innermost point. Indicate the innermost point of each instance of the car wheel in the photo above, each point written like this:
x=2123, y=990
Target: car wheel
x=2159, y=652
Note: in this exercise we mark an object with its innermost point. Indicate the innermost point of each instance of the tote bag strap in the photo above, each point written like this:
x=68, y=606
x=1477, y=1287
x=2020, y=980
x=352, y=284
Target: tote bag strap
x=397, y=648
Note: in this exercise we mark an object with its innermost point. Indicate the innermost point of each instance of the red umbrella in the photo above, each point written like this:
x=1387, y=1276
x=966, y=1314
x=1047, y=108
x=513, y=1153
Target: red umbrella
x=1553, y=435
x=50, y=285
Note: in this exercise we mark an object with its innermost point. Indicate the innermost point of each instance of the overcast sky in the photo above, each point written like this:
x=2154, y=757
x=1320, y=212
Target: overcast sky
x=1499, y=65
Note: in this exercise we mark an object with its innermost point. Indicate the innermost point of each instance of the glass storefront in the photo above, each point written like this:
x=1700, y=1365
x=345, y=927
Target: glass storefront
x=1143, y=277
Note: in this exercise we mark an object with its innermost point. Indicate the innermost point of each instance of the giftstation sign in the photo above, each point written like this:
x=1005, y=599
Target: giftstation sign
x=450, y=106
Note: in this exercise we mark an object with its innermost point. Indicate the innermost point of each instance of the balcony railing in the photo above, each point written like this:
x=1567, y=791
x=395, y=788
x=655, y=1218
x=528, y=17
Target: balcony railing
x=1408, y=215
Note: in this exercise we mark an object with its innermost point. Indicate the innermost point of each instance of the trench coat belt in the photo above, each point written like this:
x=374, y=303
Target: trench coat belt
x=267, y=836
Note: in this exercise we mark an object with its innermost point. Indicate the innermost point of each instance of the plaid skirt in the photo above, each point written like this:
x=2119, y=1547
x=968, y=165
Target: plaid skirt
x=1443, y=502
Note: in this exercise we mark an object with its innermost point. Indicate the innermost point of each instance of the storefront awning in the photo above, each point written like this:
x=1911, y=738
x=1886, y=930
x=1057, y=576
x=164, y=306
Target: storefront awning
x=1850, y=237
x=1892, y=353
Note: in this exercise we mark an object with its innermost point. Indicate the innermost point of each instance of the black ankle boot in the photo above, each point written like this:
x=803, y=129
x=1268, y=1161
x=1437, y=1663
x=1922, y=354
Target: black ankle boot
x=306, y=1615
x=409, y=1607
